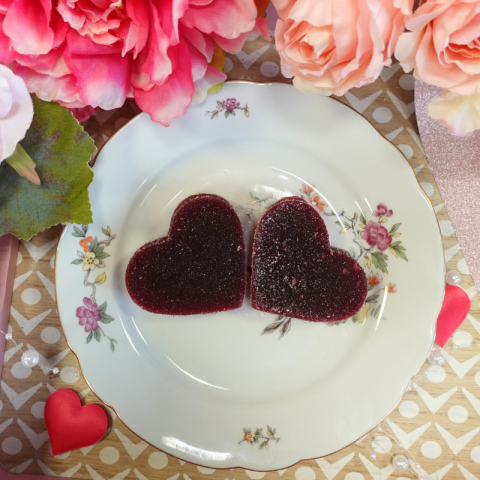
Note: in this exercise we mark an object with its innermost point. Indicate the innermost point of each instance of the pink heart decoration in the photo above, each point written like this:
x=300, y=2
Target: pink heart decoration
x=456, y=305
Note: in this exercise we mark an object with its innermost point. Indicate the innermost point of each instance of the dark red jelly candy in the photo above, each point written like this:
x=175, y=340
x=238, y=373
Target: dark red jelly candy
x=295, y=271
x=198, y=268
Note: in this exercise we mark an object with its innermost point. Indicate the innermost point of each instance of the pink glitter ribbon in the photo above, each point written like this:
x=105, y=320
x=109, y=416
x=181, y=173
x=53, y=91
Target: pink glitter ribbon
x=455, y=164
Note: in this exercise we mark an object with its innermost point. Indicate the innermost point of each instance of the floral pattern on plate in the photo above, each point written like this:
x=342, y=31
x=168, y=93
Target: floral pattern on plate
x=90, y=315
x=373, y=241
x=228, y=108
x=252, y=436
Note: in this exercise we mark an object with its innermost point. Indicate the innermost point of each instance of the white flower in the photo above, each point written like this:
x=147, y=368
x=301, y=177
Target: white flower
x=16, y=111
x=459, y=113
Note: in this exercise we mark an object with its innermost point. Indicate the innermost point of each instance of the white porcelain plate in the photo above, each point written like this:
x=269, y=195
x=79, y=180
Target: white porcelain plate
x=211, y=389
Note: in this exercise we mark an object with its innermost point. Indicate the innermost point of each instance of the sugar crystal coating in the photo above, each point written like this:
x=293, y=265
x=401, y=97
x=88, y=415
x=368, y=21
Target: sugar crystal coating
x=295, y=271
x=199, y=267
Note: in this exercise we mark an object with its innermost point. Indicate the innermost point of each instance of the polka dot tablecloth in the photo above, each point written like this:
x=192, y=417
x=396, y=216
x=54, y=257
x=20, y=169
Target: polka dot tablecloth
x=438, y=420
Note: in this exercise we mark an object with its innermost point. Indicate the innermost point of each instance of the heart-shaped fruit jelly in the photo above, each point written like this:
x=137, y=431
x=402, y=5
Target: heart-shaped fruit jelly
x=199, y=267
x=295, y=271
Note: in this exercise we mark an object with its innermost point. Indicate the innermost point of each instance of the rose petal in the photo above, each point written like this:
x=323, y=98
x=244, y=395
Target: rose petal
x=102, y=80
x=170, y=100
x=212, y=78
x=226, y=18
x=27, y=25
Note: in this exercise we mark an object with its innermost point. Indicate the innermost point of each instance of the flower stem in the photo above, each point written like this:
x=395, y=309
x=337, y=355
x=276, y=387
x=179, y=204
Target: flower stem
x=105, y=335
x=353, y=225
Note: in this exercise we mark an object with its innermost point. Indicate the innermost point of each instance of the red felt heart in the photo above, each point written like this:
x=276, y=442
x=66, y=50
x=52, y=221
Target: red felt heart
x=456, y=305
x=198, y=268
x=71, y=426
x=295, y=271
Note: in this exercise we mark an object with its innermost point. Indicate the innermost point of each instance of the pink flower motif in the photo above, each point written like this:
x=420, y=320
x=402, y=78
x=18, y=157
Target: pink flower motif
x=382, y=211
x=98, y=53
x=230, y=104
x=376, y=234
x=88, y=315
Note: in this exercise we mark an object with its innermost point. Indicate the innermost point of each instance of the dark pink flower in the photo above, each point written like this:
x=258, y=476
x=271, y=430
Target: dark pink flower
x=98, y=53
x=382, y=211
x=84, y=113
x=88, y=315
x=376, y=234
x=230, y=104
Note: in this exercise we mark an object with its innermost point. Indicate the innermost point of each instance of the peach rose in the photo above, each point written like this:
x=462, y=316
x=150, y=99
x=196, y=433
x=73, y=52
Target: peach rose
x=330, y=46
x=442, y=47
x=460, y=114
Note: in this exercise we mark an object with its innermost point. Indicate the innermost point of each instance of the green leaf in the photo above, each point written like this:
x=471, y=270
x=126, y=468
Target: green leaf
x=105, y=318
x=21, y=162
x=379, y=259
x=233, y=113
x=112, y=346
x=219, y=103
x=97, y=335
x=269, y=429
x=274, y=431
x=395, y=244
x=227, y=113
x=94, y=245
x=101, y=256
x=77, y=261
x=401, y=254
x=84, y=228
x=254, y=195
x=263, y=445
x=90, y=335
x=371, y=298
x=363, y=219
x=61, y=151
x=105, y=231
x=354, y=318
x=394, y=228
x=78, y=232
x=102, y=307
x=99, y=250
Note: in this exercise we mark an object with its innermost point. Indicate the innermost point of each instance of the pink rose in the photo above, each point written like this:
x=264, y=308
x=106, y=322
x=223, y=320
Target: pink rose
x=97, y=53
x=330, y=46
x=460, y=114
x=442, y=46
x=376, y=234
